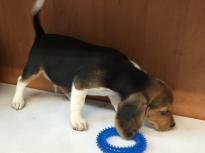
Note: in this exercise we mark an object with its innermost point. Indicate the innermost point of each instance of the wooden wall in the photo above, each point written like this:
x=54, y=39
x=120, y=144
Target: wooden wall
x=166, y=37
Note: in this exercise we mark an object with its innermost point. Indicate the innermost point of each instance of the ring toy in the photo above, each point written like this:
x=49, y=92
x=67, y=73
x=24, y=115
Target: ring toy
x=139, y=146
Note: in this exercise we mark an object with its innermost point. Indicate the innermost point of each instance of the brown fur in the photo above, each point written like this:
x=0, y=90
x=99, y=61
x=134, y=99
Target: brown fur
x=130, y=115
x=161, y=118
x=160, y=99
x=153, y=105
x=32, y=77
x=158, y=93
x=92, y=80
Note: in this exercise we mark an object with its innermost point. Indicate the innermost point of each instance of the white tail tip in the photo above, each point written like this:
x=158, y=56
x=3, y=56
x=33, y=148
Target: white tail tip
x=37, y=6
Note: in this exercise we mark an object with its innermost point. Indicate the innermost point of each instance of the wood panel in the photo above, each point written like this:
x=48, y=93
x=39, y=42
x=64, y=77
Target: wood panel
x=166, y=37
x=191, y=75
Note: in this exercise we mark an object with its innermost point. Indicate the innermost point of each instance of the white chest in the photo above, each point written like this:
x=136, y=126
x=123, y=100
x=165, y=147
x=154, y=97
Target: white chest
x=100, y=92
x=113, y=96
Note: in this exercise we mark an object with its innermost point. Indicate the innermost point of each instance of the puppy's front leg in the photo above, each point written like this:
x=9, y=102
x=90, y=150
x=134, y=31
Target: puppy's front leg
x=77, y=102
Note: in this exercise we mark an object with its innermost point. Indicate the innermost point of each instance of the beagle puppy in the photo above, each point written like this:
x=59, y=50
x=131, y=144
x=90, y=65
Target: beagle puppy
x=82, y=69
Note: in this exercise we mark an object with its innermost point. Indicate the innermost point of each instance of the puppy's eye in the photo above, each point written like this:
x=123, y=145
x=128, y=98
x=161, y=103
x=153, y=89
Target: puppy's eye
x=165, y=113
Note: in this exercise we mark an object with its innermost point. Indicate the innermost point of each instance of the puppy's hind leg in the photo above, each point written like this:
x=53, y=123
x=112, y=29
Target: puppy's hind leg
x=18, y=100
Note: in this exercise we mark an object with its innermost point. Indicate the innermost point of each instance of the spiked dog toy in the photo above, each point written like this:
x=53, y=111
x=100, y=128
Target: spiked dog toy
x=139, y=146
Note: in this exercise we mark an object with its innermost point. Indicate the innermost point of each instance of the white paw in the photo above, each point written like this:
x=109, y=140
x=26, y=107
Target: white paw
x=79, y=125
x=18, y=104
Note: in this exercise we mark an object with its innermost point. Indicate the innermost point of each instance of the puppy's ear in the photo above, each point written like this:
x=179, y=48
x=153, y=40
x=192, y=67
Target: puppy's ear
x=158, y=93
x=130, y=115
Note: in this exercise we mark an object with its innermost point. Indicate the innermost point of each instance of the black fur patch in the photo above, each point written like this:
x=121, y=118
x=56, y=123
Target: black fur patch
x=65, y=59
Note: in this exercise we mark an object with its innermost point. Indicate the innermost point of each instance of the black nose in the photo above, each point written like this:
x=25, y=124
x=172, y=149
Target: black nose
x=172, y=125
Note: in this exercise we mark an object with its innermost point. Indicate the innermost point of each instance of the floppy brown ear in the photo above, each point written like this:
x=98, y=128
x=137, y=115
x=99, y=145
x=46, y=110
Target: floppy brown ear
x=158, y=93
x=131, y=115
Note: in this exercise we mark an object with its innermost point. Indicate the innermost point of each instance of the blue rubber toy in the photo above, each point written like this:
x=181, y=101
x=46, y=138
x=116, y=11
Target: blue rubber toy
x=139, y=146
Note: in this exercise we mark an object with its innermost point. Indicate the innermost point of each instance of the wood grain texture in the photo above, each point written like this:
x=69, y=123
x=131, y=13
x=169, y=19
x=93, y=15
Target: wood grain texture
x=166, y=37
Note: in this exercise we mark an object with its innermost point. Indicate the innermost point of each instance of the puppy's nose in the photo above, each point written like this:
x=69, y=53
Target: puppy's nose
x=172, y=125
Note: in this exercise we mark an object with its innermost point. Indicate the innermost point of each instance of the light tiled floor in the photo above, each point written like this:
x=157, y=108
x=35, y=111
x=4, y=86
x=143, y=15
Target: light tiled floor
x=43, y=127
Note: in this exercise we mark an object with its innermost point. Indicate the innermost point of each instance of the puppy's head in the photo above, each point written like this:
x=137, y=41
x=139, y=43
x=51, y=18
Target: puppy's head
x=152, y=104
x=160, y=118
x=160, y=99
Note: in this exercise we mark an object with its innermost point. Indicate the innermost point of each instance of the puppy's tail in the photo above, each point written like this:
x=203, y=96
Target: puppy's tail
x=36, y=22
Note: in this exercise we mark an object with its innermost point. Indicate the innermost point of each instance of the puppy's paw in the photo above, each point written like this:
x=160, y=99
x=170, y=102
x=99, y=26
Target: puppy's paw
x=79, y=125
x=17, y=104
